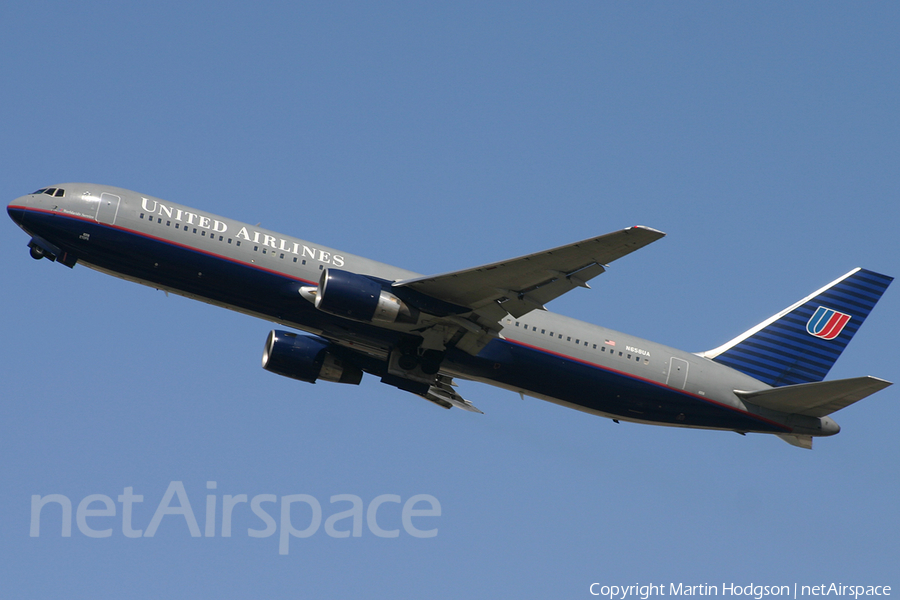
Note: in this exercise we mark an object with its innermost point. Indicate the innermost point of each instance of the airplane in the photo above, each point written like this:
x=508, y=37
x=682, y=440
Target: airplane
x=486, y=324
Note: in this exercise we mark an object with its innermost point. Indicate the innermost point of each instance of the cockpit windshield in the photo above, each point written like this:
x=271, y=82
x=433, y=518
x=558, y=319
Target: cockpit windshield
x=57, y=192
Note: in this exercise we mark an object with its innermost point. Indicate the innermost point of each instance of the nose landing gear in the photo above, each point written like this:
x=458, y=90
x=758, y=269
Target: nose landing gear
x=40, y=248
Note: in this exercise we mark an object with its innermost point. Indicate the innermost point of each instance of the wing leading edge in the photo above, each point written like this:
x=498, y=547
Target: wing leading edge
x=528, y=282
x=519, y=285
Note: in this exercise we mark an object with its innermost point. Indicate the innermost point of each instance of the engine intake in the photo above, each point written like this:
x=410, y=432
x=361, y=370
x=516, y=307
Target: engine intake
x=306, y=358
x=358, y=297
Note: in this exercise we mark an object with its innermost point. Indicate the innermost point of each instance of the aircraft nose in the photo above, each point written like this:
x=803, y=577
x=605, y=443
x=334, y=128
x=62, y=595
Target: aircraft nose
x=16, y=209
x=829, y=427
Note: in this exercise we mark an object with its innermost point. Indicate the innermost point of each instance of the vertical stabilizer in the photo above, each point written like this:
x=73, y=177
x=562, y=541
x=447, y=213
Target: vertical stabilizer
x=801, y=343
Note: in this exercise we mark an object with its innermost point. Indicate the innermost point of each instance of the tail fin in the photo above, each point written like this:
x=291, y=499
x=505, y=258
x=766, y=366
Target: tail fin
x=801, y=343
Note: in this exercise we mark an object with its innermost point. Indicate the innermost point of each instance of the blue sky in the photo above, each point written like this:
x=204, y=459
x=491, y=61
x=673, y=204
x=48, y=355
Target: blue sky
x=763, y=138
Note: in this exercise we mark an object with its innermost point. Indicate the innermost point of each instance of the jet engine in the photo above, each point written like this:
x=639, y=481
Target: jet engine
x=358, y=297
x=306, y=358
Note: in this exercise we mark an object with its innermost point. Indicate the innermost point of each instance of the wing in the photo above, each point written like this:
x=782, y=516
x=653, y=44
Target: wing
x=520, y=285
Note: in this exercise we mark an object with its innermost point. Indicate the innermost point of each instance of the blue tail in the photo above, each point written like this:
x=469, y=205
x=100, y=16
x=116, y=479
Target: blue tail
x=801, y=343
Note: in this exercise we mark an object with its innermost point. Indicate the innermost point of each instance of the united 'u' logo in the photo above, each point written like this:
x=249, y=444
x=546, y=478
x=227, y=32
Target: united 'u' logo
x=827, y=323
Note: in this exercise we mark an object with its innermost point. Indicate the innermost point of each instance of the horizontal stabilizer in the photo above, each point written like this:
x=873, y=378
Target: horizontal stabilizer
x=815, y=399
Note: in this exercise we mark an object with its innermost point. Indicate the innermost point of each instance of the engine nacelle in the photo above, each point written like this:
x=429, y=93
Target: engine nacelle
x=307, y=359
x=358, y=297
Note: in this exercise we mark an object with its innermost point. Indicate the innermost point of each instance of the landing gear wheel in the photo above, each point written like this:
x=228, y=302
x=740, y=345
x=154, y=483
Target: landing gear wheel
x=408, y=362
x=431, y=367
x=37, y=253
x=431, y=361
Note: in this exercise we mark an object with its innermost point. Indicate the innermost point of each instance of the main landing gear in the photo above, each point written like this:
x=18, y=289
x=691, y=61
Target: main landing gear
x=428, y=361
